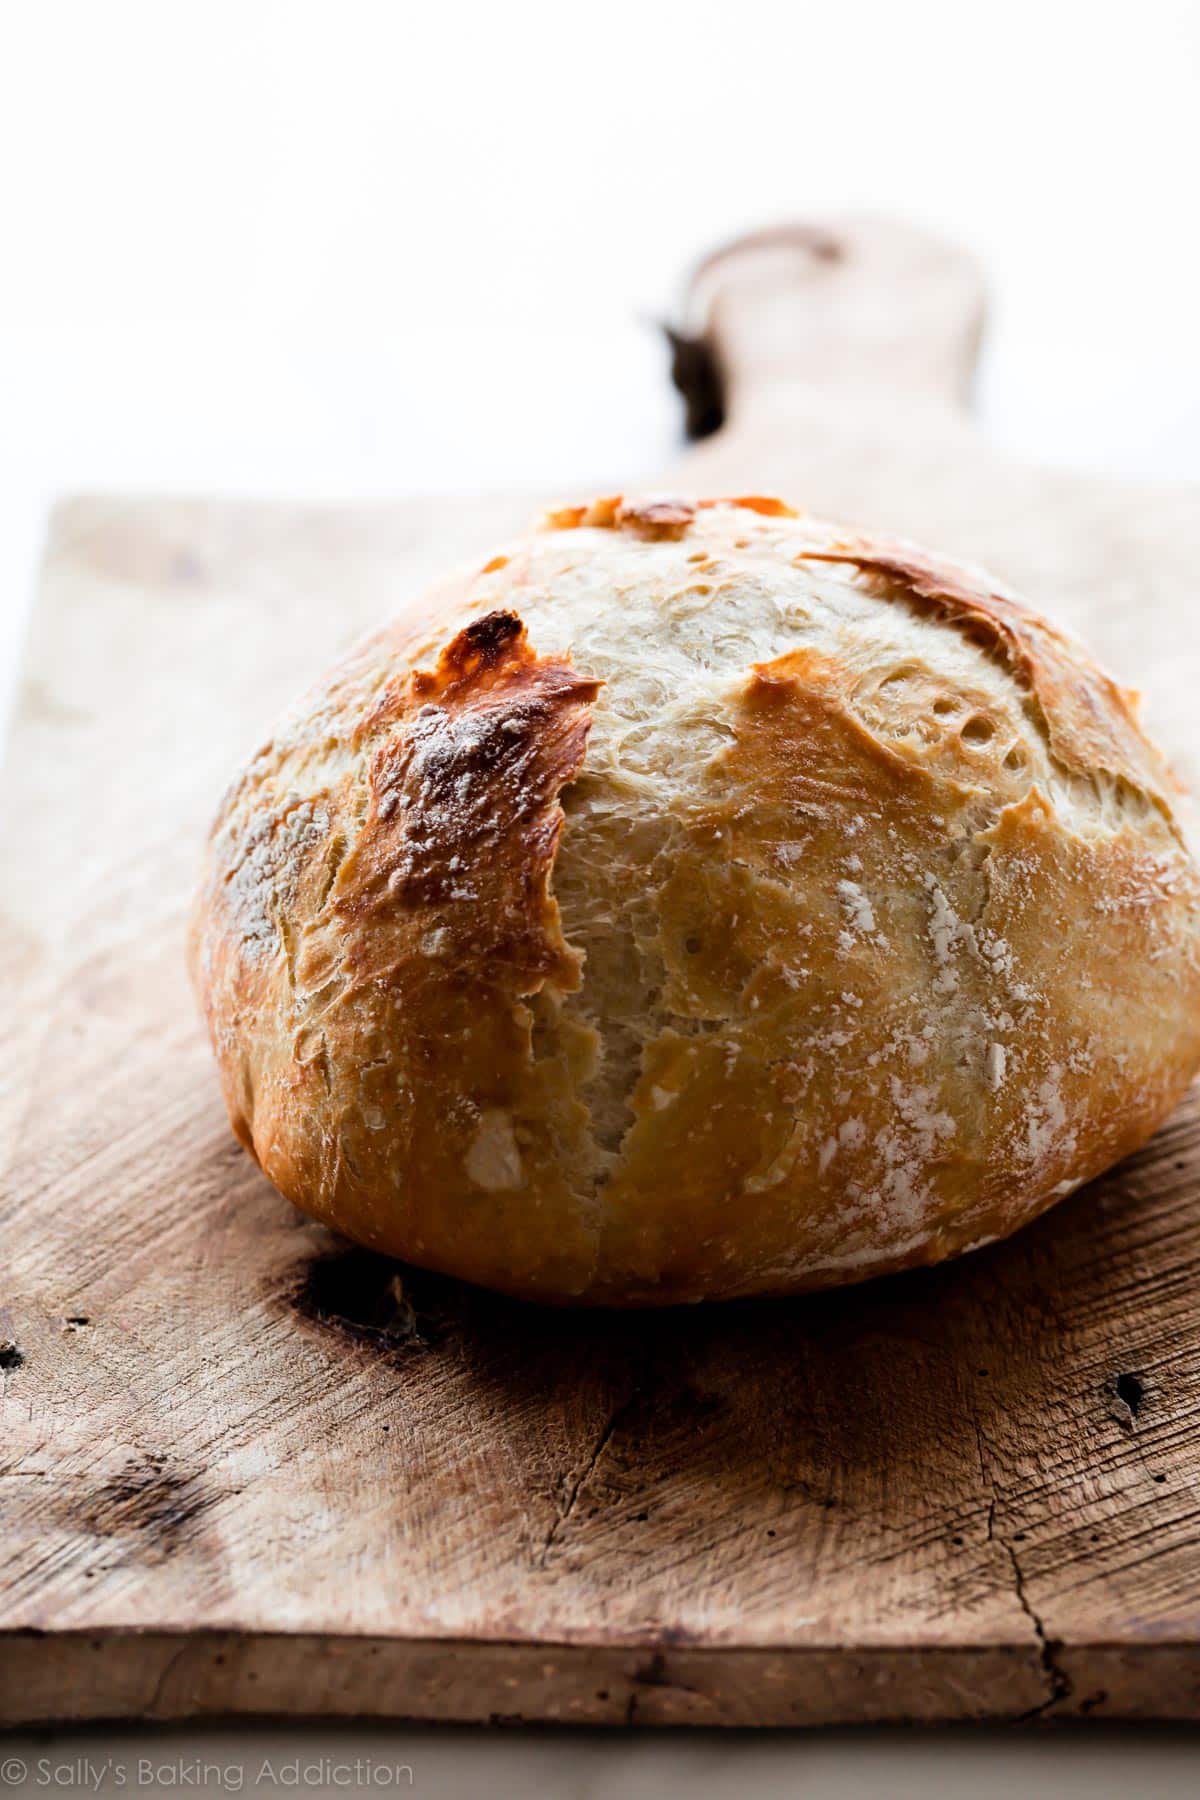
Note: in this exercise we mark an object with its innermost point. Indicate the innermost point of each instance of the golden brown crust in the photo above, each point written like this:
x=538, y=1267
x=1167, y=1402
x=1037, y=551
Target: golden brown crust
x=664, y=517
x=764, y=504
x=1089, y=720
x=913, y=1163
x=871, y=932
x=382, y=1043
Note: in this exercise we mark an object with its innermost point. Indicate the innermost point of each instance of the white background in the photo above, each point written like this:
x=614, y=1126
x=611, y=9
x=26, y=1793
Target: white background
x=273, y=246
x=280, y=247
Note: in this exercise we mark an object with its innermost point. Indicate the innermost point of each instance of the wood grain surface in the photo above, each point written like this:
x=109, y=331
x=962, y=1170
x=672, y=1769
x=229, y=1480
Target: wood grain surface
x=247, y=1469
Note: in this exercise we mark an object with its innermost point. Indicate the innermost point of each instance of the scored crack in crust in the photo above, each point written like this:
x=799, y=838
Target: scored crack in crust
x=700, y=900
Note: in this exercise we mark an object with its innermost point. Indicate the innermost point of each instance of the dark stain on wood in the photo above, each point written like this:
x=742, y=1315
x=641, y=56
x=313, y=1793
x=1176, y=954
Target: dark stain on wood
x=149, y=1500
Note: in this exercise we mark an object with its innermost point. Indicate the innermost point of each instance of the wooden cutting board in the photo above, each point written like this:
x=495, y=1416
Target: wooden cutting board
x=247, y=1469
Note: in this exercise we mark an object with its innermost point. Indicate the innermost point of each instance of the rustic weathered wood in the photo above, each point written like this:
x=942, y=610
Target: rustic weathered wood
x=242, y=1469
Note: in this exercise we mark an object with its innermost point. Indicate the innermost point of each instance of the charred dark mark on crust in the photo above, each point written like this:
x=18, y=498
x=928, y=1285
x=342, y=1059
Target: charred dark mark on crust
x=466, y=786
x=483, y=646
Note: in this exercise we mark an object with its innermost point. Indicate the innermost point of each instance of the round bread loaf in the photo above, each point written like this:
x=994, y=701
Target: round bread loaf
x=698, y=900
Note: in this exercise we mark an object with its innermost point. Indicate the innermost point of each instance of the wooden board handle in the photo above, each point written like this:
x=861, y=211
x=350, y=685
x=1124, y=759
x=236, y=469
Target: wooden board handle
x=870, y=307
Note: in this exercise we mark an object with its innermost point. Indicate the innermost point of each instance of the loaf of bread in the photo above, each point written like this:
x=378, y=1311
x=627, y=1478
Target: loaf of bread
x=697, y=900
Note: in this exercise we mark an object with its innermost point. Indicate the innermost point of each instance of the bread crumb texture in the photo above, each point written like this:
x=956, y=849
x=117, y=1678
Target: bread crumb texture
x=696, y=900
